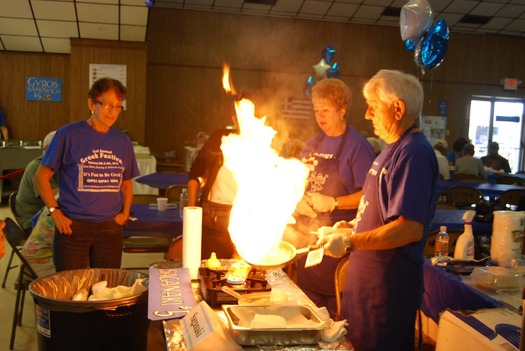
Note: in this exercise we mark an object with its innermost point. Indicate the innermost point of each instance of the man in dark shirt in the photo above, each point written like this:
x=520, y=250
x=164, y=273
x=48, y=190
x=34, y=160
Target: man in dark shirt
x=494, y=160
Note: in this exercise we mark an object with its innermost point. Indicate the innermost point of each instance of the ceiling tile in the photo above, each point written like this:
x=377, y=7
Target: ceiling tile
x=97, y=13
x=109, y=2
x=139, y=3
x=19, y=43
x=58, y=10
x=315, y=7
x=369, y=12
x=57, y=45
x=461, y=6
x=98, y=31
x=133, y=33
x=289, y=7
x=498, y=23
x=511, y=11
x=134, y=15
x=17, y=26
x=342, y=10
x=19, y=9
x=57, y=29
x=228, y=4
x=516, y=26
x=486, y=7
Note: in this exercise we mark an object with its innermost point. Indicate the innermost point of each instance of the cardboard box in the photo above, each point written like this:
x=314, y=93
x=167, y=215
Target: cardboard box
x=495, y=329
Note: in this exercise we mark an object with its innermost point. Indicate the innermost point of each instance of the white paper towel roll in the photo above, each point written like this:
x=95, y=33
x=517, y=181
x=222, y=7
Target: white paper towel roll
x=507, y=231
x=192, y=239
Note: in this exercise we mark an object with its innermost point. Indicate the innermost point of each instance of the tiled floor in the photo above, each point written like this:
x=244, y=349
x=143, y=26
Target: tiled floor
x=26, y=336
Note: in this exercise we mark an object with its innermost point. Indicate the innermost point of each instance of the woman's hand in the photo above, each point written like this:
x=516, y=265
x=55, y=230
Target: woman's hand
x=121, y=218
x=320, y=202
x=62, y=223
x=335, y=245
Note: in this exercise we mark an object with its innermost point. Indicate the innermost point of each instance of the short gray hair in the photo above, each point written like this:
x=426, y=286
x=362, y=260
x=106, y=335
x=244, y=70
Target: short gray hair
x=392, y=85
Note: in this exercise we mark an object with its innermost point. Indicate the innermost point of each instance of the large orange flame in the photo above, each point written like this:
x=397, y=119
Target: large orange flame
x=269, y=186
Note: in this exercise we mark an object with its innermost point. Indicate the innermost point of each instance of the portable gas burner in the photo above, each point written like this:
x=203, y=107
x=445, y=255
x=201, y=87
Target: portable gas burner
x=212, y=280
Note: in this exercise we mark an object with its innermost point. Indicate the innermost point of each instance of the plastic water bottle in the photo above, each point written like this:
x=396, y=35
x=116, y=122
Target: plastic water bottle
x=183, y=201
x=441, y=246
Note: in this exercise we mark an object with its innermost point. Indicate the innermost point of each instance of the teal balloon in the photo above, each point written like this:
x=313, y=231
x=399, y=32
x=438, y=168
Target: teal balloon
x=410, y=45
x=434, y=45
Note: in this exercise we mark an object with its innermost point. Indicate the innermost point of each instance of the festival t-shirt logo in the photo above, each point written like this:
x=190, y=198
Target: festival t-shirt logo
x=100, y=172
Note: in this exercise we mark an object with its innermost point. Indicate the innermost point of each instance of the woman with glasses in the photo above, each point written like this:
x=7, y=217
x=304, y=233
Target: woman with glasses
x=95, y=163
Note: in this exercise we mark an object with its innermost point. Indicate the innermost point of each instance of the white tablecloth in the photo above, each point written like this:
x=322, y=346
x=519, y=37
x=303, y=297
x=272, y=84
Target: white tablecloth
x=147, y=165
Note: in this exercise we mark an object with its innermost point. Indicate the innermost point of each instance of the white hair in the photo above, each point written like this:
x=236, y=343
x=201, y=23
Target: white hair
x=47, y=139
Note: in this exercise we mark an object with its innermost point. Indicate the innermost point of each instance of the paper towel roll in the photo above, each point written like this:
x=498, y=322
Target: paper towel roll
x=507, y=232
x=192, y=239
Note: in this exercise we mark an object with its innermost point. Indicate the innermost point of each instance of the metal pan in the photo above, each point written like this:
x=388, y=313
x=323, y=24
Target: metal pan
x=286, y=249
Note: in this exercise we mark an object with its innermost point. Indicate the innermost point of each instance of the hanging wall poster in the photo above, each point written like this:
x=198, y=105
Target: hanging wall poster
x=43, y=89
x=434, y=127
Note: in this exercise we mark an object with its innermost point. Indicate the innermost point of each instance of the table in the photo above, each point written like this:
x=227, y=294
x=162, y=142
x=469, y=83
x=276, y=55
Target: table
x=163, y=180
x=151, y=222
x=147, y=165
x=279, y=282
x=489, y=190
x=446, y=290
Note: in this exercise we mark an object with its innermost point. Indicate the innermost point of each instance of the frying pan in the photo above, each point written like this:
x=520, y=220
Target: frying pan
x=286, y=250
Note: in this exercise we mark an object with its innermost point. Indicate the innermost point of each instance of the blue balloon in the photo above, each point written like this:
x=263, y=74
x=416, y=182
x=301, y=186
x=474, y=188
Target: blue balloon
x=308, y=87
x=328, y=54
x=410, y=45
x=434, y=45
x=334, y=72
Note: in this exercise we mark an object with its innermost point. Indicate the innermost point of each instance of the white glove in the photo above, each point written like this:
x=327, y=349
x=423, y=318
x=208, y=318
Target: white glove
x=304, y=209
x=335, y=245
x=321, y=203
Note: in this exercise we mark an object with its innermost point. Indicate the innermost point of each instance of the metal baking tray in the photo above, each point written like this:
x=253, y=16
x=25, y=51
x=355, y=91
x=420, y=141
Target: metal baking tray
x=307, y=335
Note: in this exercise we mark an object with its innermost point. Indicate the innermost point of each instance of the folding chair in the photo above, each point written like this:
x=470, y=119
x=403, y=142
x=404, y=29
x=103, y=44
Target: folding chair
x=14, y=235
x=12, y=202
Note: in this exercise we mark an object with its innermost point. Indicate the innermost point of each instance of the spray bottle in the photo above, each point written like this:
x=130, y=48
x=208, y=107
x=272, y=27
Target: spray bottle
x=465, y=245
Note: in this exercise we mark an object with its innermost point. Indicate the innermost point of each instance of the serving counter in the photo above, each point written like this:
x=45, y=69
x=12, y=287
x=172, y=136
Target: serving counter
x=279, y=282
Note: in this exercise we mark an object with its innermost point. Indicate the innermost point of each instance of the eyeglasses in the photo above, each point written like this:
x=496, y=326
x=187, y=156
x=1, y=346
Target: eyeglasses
x=108, y=106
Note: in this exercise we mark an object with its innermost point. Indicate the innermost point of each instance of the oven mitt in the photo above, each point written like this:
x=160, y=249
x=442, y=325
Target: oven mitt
x=320, y=202
x=335, y=330
x=304, y=209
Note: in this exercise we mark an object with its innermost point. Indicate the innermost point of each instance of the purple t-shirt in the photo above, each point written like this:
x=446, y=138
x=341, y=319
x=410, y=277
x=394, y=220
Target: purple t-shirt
x=407, y=179
x=91, y=167
x=355, y=159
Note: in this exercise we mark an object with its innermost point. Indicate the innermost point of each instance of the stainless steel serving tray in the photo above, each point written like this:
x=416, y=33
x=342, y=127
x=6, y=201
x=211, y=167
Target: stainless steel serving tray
x=308, y=335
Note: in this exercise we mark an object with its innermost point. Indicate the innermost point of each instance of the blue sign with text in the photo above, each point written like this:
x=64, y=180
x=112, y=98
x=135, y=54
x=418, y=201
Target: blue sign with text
x=43, y=89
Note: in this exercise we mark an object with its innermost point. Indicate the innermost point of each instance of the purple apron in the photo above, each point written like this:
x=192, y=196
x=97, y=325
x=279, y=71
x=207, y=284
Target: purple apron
x=318, y=281
x=383, y=287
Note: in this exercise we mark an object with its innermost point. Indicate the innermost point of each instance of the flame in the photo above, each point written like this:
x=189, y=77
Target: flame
x=226, y=84
x=269, y=187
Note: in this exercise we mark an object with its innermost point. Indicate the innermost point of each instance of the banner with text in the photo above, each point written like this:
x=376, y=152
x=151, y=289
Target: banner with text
x=43, y=89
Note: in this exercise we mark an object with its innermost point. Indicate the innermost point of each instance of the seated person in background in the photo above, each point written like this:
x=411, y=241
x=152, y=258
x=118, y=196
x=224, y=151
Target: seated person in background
x=4, y=133
x=457, y=150
x=494, y=160
x=468, y=164
x=440, y=148
x=38, y=248
x=28, y=201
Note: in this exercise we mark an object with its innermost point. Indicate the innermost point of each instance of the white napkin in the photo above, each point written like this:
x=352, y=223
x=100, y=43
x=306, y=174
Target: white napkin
x=335, y=330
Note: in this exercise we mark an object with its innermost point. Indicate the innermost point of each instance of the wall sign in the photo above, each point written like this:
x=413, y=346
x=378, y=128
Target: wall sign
x=43, y=89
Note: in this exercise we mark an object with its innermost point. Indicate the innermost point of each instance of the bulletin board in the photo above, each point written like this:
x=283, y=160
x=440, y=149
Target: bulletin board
x=434, y=127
